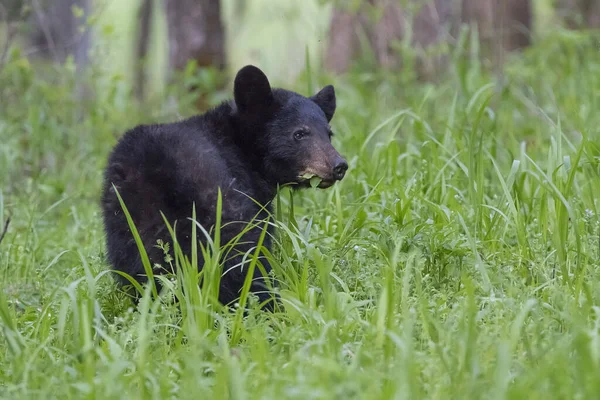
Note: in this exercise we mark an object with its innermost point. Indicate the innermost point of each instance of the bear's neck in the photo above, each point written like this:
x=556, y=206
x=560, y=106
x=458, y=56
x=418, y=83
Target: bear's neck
x=228, y=132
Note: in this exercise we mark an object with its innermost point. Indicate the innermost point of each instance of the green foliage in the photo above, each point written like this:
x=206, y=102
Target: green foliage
x=457, y=259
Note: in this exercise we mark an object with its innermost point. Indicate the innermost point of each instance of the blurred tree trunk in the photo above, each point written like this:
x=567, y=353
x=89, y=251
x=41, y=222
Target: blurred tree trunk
x=9, y=13
x=10, y=10
x=502, y=24
x=343, y=41
x=580, y=13
x=195, y=33
x=59, y=33
x=426, y=22
x=594, y=14
x=142, y=45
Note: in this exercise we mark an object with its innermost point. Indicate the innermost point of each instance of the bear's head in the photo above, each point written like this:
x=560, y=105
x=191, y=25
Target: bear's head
x=287, y=135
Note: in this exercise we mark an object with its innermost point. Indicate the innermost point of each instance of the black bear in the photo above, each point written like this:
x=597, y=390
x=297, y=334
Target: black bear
x=247, y=147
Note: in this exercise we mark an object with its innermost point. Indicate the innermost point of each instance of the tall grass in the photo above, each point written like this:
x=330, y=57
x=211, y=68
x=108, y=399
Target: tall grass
x=457, y=259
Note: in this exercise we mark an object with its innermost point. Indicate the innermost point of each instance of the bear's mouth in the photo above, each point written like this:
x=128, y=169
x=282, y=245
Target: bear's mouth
x=325, y=184
x=310, y=179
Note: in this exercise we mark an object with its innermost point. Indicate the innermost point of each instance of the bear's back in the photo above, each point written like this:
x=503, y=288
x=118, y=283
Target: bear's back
x=169, y=168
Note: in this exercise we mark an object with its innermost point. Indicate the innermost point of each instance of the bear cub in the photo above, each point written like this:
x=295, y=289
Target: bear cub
x=265, y=137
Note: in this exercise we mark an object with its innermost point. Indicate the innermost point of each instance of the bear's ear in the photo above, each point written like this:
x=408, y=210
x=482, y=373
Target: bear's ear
x=251, y=89
x=325, y=99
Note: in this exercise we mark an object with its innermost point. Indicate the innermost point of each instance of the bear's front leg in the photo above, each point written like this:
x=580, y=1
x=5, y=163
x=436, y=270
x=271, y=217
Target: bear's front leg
x=236, y=265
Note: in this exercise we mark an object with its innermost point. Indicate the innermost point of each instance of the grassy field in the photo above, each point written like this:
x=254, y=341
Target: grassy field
x=459, y=258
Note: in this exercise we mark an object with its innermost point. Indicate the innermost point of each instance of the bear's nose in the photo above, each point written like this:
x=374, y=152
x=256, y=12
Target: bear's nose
x=340, y=169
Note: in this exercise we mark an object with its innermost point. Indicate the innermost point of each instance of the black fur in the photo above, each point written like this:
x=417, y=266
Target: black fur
x=264, y=138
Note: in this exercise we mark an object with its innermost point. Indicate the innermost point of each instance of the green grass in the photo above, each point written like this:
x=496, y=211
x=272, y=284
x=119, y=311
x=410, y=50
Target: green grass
x=459, y=258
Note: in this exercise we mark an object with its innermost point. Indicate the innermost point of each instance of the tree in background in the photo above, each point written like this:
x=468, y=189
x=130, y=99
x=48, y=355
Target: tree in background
x=580, y=13
x=195, y=33
x=382, y=22
x=503, y=25
x=59, y=30
x=399, y=33
x=144, y=28
x=55, y=28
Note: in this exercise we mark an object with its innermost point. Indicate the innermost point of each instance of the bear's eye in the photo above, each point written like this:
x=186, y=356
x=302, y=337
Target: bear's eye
x=300, y=134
